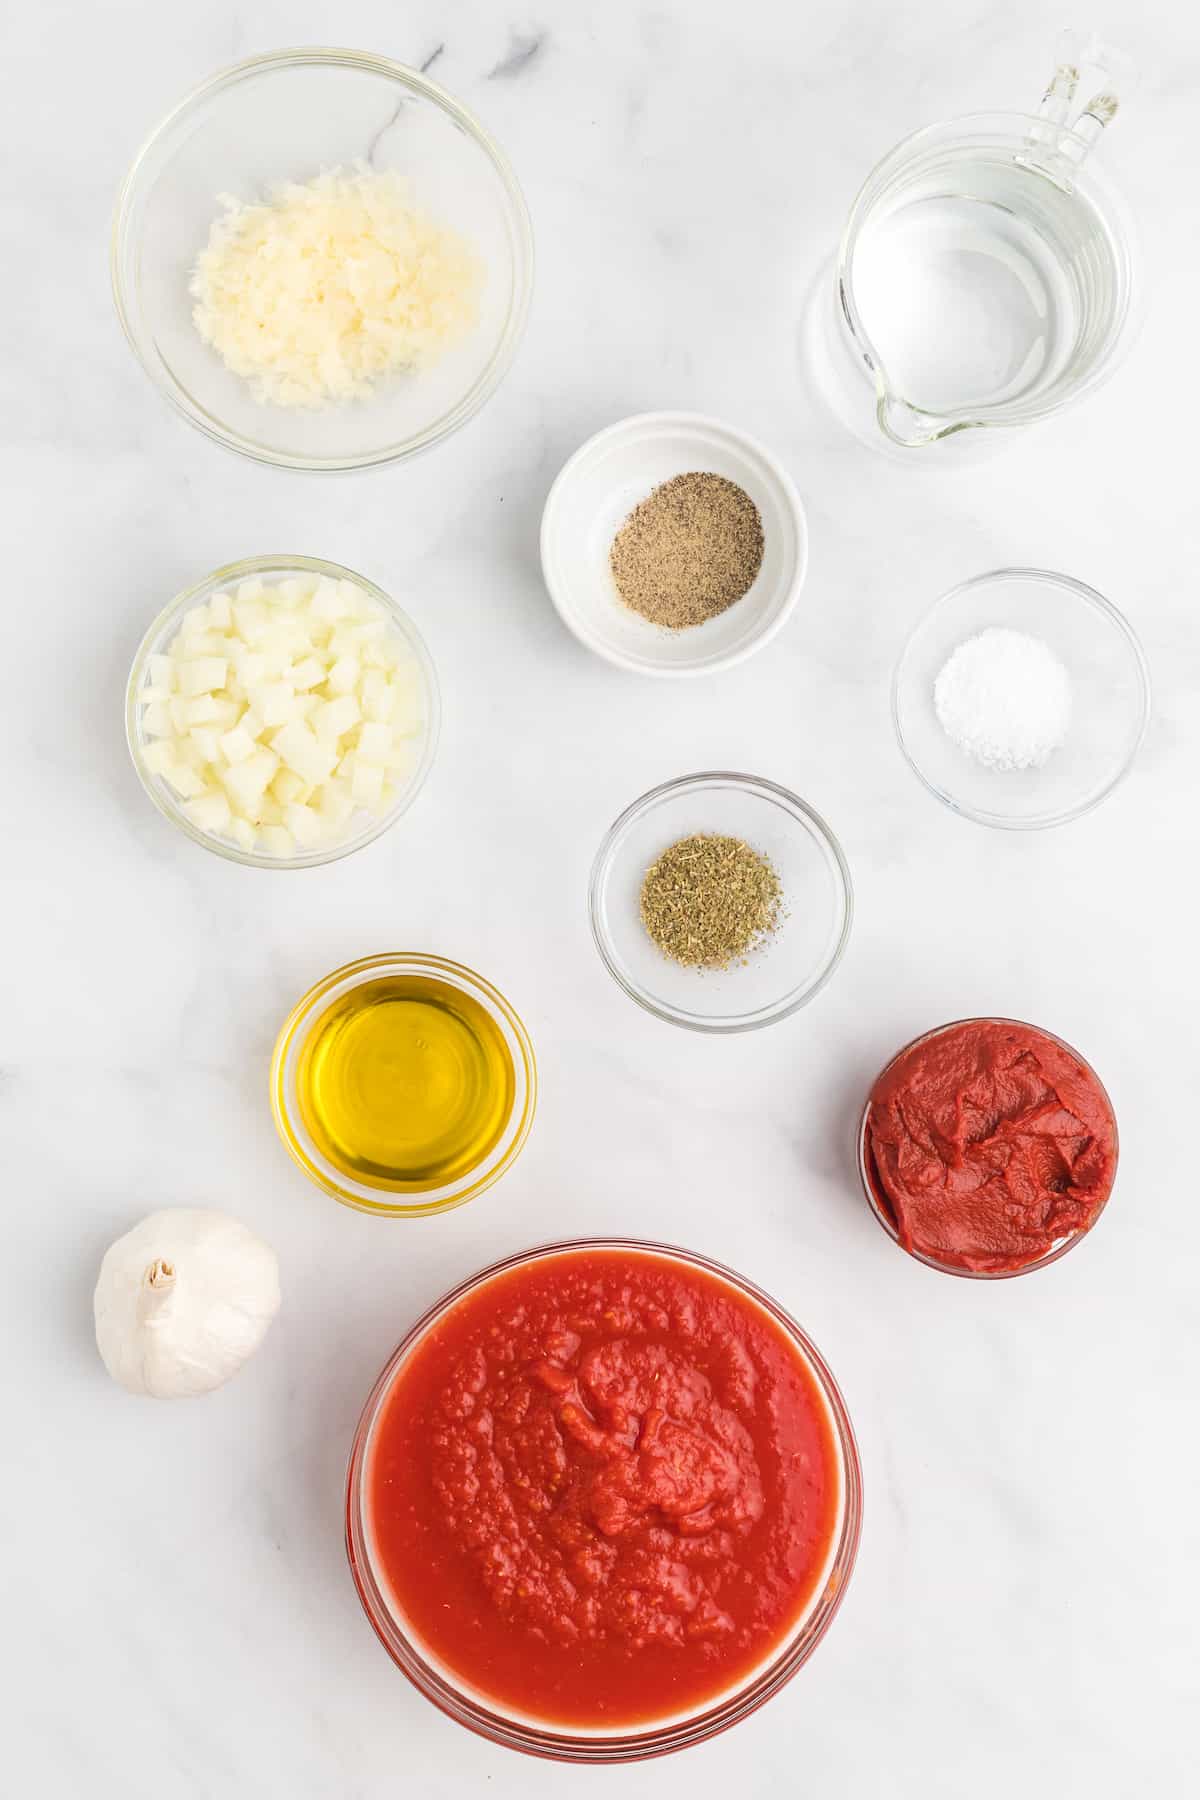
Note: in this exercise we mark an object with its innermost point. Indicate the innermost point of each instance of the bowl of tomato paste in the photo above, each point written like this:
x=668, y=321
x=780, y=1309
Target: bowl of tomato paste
x=987, y=1148
x=603, y=1501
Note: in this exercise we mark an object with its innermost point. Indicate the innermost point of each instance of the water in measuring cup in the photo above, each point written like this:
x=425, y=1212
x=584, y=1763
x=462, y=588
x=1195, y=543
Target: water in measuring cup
x=984, y=283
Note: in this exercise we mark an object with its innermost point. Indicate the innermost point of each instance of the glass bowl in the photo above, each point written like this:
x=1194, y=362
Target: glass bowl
x=881, y=1210
x=366, y=827
x=815, y=914
x=568, y=1744
x=289, y=1117
x=1110, y=708
x=288, y=116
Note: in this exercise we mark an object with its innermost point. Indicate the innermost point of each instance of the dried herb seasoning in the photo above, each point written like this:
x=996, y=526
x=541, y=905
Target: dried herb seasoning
x=691, y=549
x=709, y=900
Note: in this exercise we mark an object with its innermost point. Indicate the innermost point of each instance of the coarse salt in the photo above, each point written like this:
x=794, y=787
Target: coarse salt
x=1004, y=698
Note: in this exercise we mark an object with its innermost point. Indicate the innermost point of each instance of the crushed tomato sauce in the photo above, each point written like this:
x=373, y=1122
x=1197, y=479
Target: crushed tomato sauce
x=603, y=1488
x=988, y=1143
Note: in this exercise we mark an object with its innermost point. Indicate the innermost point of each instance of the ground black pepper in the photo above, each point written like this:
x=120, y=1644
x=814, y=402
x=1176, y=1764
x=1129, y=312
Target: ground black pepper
x=691, y=549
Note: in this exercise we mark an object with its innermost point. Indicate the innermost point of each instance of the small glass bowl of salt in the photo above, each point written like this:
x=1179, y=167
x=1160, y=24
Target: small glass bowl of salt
x=1021, y=698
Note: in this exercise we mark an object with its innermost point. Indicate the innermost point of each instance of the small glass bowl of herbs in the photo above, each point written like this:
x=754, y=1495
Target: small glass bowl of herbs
x=720, y=902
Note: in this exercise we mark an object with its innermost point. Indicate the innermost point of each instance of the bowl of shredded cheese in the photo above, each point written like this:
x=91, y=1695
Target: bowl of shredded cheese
x=322, y=260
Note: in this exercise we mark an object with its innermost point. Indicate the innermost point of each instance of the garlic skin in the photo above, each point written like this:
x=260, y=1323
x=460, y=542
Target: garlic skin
x=182, y=1300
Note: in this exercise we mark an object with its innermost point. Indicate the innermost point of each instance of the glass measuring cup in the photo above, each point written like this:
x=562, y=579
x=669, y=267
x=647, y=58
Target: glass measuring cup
x=985, y=277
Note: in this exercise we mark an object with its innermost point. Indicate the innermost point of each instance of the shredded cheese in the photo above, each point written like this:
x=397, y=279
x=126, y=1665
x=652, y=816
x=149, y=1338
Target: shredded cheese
x=331, y=285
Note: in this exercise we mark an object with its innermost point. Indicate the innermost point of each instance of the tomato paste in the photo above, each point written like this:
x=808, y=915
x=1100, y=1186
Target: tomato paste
x=603, y=1488
x=989, y=1143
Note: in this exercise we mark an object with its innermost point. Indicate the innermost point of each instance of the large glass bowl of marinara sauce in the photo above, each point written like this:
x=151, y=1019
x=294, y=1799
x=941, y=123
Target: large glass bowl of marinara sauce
x=603, y=1500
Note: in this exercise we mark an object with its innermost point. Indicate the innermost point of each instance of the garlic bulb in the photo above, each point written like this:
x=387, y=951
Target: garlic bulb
x=182, y=1300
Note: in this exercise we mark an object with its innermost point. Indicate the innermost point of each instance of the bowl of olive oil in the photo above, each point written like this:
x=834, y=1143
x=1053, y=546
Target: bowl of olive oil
x=403, y=1084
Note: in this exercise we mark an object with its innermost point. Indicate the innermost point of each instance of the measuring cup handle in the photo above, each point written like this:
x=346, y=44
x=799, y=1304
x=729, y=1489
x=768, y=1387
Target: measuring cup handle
x=1078, y=53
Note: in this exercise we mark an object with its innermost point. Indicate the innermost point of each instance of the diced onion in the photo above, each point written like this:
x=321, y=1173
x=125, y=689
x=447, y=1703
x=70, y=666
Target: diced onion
x=280, y=712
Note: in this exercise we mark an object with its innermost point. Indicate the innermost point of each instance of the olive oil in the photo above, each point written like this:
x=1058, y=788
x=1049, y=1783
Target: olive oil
x=405, y=1083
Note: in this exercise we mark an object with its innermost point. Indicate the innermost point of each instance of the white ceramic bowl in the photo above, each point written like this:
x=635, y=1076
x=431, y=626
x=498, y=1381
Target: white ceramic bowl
x=594, y=495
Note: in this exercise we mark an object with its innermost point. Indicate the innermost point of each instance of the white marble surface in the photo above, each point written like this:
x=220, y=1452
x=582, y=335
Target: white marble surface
x=178, y=1619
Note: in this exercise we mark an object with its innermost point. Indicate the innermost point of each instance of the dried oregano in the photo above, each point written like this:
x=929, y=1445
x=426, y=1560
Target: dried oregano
x=709, y=900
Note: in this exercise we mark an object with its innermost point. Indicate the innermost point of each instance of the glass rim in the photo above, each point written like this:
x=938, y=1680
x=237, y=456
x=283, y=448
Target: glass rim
x=1112, y=615
x=559, y=1743
x=485, y=385
x=284, y=565
x=797, y=996
x=863, y=1159
x=386, y=1202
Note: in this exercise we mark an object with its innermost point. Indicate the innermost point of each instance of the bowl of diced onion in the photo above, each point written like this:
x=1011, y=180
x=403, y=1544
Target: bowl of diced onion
x=322, y=260
x=282, y=712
